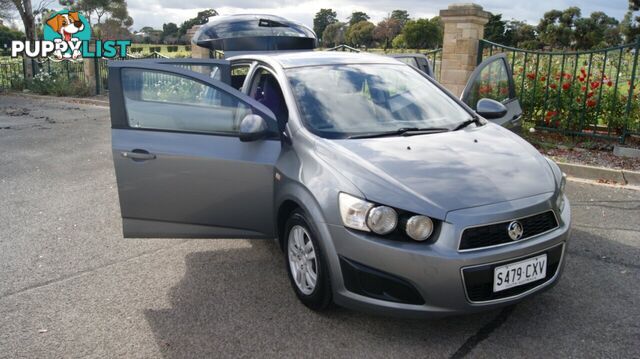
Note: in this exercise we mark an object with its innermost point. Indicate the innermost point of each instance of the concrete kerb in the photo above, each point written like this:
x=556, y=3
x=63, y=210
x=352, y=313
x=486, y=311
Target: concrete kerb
x=601, y=174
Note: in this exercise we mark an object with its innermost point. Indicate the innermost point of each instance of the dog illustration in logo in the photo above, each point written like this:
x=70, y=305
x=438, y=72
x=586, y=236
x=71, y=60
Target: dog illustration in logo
x=67, y=25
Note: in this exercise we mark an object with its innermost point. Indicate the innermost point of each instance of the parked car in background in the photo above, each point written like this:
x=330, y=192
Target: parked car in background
x=385, y=192
x=419, y=61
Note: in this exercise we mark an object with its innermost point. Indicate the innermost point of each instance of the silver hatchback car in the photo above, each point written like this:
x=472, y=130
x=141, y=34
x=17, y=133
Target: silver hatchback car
x=386, y=192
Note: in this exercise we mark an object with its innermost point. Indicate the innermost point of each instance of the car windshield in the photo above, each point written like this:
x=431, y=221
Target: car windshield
x=351, y=100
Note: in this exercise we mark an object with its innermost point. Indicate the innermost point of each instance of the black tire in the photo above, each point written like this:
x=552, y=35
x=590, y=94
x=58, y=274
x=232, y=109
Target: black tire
x=320, y=298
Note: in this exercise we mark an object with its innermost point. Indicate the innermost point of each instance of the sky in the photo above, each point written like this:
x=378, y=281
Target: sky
x=156, y=12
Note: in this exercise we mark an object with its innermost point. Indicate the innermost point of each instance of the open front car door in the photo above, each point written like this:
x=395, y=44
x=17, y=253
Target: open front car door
x=181, y=168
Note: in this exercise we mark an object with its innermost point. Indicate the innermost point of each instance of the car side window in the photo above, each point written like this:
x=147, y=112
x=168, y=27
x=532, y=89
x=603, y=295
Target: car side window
x=492, y=82
x=266, y=90
x=238, y=75
x=166, y=101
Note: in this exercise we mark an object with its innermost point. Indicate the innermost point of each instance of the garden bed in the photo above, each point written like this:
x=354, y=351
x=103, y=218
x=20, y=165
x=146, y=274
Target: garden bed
x=582, y=150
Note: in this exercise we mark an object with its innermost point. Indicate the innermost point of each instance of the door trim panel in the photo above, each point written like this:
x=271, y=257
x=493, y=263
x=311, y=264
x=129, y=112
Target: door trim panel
x=145, y=228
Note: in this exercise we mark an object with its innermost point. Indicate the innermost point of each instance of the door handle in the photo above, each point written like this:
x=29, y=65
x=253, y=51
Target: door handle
x=516, y=117
x=138, y=155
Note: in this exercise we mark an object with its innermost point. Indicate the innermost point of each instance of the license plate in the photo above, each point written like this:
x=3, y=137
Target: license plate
x=519, y=273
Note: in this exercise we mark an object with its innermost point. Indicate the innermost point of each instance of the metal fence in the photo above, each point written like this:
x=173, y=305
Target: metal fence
x=585, y=93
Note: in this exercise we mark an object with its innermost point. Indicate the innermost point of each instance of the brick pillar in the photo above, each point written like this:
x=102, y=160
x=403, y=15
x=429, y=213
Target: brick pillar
x=463, y=27
x=197, y=52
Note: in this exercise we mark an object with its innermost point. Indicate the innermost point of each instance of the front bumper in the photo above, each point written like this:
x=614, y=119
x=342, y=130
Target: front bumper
x=436, y=271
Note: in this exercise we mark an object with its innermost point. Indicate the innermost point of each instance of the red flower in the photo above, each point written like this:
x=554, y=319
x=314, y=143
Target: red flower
x=610, y=83
x=595, y=85
x=578, y=100
x=581, y=79
x=531, y=76
x=551, y=114
x=553, y=86
x=485, y=89
x=583, y=88
x=543, y=78
x=566, y=85
x=591, y=103
x=567, y=76
x=504, y=91
x=584, y=73
x=590, y=94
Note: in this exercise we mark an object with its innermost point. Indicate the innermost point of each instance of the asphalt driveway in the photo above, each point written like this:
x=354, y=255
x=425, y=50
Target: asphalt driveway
x=71, y=286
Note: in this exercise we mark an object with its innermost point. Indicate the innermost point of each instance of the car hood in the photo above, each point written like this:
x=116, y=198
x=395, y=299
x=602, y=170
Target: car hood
x=436, y=173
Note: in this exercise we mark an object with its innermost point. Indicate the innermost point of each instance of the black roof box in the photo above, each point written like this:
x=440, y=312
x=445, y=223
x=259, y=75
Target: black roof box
x=234, y=33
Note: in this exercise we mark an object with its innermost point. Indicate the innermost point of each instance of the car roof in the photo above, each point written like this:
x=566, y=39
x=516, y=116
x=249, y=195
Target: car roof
x=318, y=58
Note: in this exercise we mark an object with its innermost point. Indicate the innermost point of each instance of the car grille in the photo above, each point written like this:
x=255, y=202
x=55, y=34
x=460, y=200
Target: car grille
x=495, y=234
x=479, y=280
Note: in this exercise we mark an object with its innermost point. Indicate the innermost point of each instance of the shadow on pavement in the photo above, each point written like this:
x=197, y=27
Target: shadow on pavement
x=239, y=302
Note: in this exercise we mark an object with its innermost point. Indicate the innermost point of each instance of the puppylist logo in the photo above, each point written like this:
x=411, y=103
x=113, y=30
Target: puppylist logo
x=67, y=36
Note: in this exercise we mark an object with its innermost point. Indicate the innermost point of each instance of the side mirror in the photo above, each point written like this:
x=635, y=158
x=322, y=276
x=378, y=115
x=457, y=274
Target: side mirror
x=490, y=109
x=252, y=128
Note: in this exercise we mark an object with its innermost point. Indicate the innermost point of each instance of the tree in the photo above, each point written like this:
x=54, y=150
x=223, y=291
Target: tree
x=357, y=16
x=201, y=18
x=334, y=34
x=423, y=33
x=629, y=27
x=323, y=18
x=520, y=34
x=386, y=31
x=597, y=31
x=399, y=42
x=360, y=34
x=556, y=27
x=113, y=29
x=7, y=35
x=495, y=29
x=100, y=8
x=401, y=15
x=6, y=9
x=25, y=10
x=169, y=29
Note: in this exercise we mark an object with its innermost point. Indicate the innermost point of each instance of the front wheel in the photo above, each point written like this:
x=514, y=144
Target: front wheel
x=306, y=266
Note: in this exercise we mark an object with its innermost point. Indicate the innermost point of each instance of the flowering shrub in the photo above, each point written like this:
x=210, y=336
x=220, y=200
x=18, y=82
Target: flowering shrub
x=53, y=83
x=579, y=92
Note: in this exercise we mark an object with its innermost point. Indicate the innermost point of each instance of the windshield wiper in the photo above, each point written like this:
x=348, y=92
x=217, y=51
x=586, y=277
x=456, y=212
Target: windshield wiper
x=405, y=131
x=473, y=119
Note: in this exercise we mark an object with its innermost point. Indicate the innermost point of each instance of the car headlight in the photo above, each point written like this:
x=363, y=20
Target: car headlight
x=382, y=219
x=560, y=199
x=354, y=211
x=419, y=228
x=365, y=216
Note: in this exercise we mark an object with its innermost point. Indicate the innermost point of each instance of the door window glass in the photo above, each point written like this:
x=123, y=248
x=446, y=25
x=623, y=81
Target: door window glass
x=165, y=101
x=492, y=82
x=266, y=90
x=238, y=75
